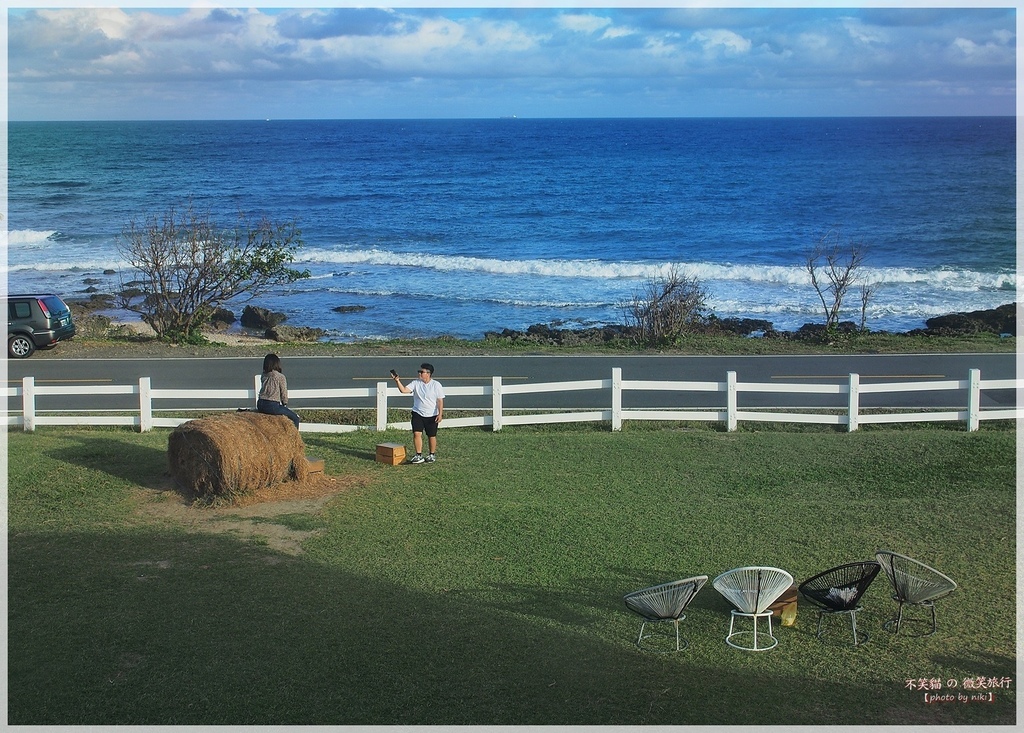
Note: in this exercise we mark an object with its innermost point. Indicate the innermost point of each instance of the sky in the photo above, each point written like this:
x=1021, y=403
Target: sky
x=219, y=62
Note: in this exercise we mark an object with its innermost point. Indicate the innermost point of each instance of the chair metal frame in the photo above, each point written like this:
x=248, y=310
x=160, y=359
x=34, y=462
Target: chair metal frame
x=665, y=602
x=915, y=584
x=757, y=588
x=838, y=590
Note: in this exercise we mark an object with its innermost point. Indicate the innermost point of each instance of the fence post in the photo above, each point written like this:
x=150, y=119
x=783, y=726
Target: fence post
x=382, y=406
x=28, y=404
x=853, y=414
x=616, y=399
x=973, y=399
x=496, y=405
x=145, y=405
x=257, y=386
x=730, y=401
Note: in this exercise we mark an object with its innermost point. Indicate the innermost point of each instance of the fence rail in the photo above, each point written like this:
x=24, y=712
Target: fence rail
x=378, y=398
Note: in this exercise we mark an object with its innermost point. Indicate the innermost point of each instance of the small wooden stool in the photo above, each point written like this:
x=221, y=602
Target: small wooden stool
x=390, y=453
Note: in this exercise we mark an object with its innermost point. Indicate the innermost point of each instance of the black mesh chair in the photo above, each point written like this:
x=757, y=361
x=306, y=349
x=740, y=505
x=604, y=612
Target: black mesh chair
x=913, y=583
x=665, y=602
x=839, y=590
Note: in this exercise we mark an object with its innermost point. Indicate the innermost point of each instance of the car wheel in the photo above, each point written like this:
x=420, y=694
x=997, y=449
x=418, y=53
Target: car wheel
x=20, y=347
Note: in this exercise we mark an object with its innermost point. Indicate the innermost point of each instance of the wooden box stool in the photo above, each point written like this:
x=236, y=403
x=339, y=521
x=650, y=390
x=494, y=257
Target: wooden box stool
x=390, y=453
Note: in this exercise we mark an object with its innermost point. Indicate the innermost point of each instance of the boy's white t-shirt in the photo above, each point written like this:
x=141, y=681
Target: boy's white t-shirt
x=425, y=396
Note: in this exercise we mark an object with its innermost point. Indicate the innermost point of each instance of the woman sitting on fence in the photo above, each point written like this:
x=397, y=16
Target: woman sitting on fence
x=273, y=397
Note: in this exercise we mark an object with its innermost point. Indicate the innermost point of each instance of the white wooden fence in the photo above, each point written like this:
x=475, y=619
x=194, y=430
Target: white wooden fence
x=730, y=413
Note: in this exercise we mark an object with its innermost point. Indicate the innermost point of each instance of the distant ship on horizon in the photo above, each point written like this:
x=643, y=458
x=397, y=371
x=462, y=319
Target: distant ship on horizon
x=508, y=117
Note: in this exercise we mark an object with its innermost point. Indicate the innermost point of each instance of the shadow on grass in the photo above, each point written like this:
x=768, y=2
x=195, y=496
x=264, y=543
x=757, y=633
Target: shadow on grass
x=322, y=445
x=152, y=627
x=110, y=454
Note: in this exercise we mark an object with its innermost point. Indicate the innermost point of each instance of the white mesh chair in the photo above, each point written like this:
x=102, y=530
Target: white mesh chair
x=752, y=590
x=913, y=583
x=665, y=602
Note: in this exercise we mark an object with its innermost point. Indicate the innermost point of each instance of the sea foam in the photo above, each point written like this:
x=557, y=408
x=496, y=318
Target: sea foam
x=602, y=270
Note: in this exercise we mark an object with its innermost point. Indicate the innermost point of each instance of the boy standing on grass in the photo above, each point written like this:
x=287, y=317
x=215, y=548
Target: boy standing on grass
x=427, y=410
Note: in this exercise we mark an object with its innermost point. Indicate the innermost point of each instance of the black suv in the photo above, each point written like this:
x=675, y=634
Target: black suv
x=36, y=322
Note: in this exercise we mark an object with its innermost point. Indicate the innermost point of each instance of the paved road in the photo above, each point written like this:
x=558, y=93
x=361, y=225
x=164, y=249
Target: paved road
x=452, y=371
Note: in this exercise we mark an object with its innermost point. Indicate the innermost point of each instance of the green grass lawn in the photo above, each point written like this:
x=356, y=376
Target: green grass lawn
x=487, y=588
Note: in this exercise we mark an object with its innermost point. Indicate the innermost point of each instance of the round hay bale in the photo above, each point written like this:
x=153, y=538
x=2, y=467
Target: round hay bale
x=236, y=453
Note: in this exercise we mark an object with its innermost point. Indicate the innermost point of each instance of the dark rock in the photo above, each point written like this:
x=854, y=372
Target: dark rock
x=542, y=333
x=110, y=272
x=131, y=293
x=994, y=320
x=294, y=333
x=256, y=317
x=816, y=331
x=349, y=308
x=221, y=319
x=84, y=306
x=740, y=326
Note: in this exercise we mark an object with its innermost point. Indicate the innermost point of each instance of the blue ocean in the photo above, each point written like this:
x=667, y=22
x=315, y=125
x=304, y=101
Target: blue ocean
x=460, y=227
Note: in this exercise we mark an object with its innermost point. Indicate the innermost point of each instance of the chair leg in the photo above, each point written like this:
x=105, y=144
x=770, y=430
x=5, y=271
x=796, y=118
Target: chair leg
x=770, y=634
x=681, y=643
x=853, y=620
x=821, y=615
x=757, y=647
x=896, y=624
x=898, y=619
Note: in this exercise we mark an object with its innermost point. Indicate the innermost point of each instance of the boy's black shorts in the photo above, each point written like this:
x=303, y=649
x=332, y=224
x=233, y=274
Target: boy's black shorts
x=421, y=424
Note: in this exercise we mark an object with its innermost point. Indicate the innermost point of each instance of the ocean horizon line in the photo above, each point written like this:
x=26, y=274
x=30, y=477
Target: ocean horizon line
x=513, y=118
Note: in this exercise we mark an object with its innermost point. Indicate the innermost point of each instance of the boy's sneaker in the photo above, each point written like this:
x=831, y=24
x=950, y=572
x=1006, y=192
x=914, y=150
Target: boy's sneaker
x=417, y=459
x=431, y=458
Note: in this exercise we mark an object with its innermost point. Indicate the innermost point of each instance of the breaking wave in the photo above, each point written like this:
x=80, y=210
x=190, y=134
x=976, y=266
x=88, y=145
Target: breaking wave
x=601, y=270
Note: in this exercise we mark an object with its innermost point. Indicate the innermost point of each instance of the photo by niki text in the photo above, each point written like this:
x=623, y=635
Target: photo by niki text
x=969, y=689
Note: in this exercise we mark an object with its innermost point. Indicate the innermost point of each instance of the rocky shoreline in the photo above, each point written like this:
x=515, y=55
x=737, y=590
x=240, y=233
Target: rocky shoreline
x=1001, y=321
x=260, y=325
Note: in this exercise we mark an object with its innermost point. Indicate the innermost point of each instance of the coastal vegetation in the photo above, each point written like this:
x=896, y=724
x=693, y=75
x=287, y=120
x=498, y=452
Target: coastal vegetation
x=667, y=308
x=184, y=266
x=490, y=591
x=834, y=268
x=981, y=331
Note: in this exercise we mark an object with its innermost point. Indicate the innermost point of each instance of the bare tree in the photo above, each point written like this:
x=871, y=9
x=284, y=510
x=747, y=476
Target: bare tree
x=666, y=307
x=185, y=266
x=834, y=268
x=867, y=292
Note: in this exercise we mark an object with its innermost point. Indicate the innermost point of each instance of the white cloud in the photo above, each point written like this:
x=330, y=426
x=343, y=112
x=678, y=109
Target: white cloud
x=982, y=53
x=582, y=23
x=863, y=33
x=724, y=40
x=618, y=32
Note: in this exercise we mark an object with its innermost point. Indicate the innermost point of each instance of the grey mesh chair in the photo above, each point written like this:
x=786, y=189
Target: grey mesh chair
x=752, y=590
x=839, y=590
x=913, y=583
x=665, y=602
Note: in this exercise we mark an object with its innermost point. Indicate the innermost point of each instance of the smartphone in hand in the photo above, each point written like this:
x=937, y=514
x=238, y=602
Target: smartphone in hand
x=394, y=373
